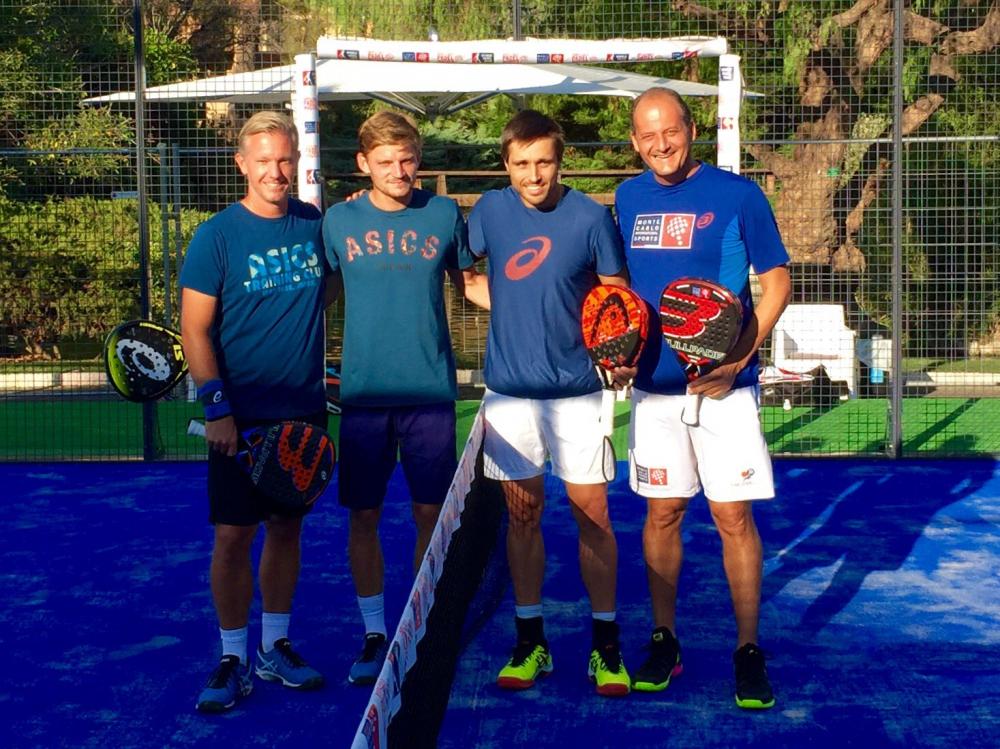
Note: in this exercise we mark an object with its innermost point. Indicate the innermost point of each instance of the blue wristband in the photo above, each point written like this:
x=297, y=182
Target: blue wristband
x=213, y=399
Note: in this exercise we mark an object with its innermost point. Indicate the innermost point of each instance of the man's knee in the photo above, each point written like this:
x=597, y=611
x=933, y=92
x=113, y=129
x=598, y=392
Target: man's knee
x=665, y=515
x=364, y=523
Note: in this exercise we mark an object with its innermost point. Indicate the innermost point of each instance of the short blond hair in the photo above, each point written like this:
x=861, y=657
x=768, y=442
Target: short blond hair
x=389, y=128
x=268, y=122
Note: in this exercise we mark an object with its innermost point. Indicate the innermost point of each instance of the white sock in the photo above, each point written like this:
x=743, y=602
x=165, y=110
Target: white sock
x=274, y=627
x=234, y=642
x=604, y=616
x=528, y=612
x=373, y=613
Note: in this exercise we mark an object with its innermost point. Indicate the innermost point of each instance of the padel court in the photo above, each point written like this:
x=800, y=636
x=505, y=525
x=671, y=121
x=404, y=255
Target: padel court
x=880, y=615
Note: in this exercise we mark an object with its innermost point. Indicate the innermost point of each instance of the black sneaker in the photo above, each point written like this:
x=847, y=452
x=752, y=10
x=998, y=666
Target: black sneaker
x=662, y=664
x=753, y=690
x=366, y=668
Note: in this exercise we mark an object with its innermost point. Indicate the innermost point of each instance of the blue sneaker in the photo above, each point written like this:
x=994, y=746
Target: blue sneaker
x=366, y=668
x=285, y=665
x=227, y=684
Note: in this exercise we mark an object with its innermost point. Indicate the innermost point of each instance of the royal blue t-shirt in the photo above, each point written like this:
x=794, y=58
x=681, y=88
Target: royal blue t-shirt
x=713, y=225
x=397, y=348
x=541, y=266
x=267, y=276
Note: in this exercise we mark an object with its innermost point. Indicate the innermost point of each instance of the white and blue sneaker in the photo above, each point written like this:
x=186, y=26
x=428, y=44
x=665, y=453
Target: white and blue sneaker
x=366, y=668
x=226, y=686
x=285, y=665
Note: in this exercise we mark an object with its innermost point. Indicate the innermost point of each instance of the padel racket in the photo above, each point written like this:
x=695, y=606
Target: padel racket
x=614, y=324
x=144, y=360
x=290, y=461
x=332, y=390
x=701, y=321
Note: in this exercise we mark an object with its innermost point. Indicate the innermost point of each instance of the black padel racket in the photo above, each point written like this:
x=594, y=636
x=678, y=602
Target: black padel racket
x=290, y=461
x=144, y=360
x=701, y=321
x=614, y=323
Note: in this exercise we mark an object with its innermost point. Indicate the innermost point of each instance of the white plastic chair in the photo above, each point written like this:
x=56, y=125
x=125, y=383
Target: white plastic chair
x=809, y=335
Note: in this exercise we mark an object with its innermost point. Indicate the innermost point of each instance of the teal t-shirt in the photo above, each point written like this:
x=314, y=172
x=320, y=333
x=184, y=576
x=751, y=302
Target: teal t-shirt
x=397, y=348
x=267, y=276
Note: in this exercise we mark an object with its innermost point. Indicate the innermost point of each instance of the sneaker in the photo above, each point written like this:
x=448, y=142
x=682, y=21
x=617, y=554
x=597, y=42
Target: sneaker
x=285, y=665
x=662, y=664
x=753, y=690
x=607, y=671
x=528, y=662
x=366, y=668
x=227, y=684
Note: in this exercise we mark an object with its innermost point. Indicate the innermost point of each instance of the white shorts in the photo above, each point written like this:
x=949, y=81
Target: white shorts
x=726, y=453
x=520, y=432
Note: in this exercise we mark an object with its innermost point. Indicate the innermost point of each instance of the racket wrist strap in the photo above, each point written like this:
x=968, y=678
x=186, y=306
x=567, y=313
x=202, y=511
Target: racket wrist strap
x=213, y=400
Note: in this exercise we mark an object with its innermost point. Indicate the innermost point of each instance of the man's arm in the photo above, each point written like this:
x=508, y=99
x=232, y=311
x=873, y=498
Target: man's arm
x=776, y=285
x=618, y=279
x=197, y=314
x=472, y=284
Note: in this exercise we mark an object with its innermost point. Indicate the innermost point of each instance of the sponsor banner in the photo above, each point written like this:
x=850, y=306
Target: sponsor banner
x=730, y=99
x=528, y=51
x=305, y=112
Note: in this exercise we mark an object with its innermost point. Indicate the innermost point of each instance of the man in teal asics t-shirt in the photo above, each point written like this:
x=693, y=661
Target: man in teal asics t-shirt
x=252, y=321
x=391, y=248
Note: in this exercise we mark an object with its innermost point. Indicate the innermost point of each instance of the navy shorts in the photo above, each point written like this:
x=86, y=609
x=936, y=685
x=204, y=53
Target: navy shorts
x=370, y=438
x=233, y=499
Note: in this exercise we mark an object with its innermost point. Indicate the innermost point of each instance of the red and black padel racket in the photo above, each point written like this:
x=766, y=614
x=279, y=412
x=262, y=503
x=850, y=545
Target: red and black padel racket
x=290, y=461
x=615, y=324
x=701, y=321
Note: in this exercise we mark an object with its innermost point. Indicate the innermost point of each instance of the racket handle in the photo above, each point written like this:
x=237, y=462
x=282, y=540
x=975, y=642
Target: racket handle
x=196, y=428
x=608, y=397
x=692, y=405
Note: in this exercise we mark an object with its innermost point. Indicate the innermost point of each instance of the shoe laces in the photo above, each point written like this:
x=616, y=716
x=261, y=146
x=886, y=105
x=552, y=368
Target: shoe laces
x=522, y=652
x=223, y=672
x=284, y=646
x=373, y=642
x=611, y=657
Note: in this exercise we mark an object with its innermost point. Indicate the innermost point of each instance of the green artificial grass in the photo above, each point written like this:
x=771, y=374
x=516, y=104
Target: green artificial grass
x=36, y=429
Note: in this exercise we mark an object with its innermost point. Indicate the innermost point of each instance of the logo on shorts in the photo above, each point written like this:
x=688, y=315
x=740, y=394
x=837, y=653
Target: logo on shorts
x=651, y=476
x=746, y=475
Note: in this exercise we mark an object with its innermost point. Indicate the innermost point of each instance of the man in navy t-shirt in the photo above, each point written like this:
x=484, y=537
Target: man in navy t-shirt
x=686, y=218
x=390, y=249
x=547, y=246
x=252, y=322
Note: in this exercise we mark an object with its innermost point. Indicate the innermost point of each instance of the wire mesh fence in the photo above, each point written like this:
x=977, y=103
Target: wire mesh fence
x=890, y=216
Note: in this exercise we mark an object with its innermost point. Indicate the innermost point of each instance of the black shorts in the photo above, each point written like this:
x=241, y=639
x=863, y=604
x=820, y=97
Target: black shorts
x=232, y=499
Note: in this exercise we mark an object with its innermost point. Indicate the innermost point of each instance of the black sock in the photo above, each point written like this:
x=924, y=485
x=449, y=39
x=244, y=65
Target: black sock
x=531, y=630
x=604, y=633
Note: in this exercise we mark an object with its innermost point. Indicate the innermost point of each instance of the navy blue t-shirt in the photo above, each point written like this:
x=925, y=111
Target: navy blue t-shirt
x=267, y=275
x=713, y=225
x=397, y=348
x=541, y=266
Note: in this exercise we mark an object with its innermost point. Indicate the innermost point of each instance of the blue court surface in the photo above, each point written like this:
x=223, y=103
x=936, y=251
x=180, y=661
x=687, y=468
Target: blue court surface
x=881, y=618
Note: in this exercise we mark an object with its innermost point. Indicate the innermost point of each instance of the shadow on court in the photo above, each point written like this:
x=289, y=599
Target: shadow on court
x=881, y=615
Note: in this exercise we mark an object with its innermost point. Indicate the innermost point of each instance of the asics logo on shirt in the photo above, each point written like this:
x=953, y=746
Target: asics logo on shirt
x=527, y=261
x=405, y=243
x=283, y=268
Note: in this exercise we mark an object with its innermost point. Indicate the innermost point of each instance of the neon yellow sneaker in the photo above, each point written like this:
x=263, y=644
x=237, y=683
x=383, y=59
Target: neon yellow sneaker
x=608, y=673
x=527, y=663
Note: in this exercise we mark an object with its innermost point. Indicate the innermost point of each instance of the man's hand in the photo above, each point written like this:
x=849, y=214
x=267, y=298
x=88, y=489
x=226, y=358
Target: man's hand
x=717, y=382
x=622, y=377
x=221, y=435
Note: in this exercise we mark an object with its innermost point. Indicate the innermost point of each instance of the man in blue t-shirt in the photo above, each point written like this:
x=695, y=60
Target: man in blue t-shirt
x=547, y=246
x=390, y=249
x=252, y=322
x=687, y=218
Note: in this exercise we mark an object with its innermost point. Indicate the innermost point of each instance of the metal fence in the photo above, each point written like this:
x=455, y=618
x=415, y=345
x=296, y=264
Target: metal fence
x=880, y=155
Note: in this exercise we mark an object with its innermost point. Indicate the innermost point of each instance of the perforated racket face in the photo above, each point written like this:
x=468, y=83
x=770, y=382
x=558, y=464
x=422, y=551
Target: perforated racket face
x=614, y=324
x=143, y=360
x=292, y=462
x=701, y=320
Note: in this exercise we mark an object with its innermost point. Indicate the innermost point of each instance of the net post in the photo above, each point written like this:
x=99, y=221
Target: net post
x=305, y=112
